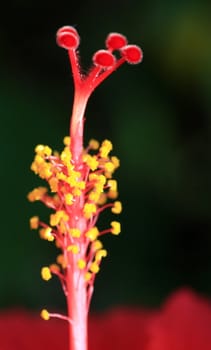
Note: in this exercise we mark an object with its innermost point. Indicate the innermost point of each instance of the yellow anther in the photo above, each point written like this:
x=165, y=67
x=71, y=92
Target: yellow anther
x=96, y=245
x=109, y=166
x=87, y=276
x=34, y=168
x=45, y=315
x=54, y=268
x=102, y=199
x=53, y=183
x=115, y=161
x=92, y=233
x=39, y=160
x=73, y=248
x=46, y=273
x=74, y=178
x=68, y=199
x=91, y=161
x=112, y=194
x=98, y=188
x=37, y=194
x=105, y=148
x=101, y=179
x=45, y=171
x=108, y=174
x=47, y=151
x=89, y=210
x=117, y=208
x=59, y=216
x=94, y=267
x=43, y=150
x=93, y=177
x=81, y=264
x=81, y=185
x=76, y=192
x=66, y=140
x=39, y=149
x=94, y=196
x=115, y=227
x=94, y=144
x=54, y=219
x=61, y=176
x=75, y=232
x=102, y=253
x=66, y=155
x=34, y=222
x=42, y=233
x=61, y=260
x=113, y=185
x=47, y=234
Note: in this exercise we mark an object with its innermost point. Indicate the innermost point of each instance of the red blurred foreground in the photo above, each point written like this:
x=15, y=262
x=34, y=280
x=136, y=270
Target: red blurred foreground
x=182, y=323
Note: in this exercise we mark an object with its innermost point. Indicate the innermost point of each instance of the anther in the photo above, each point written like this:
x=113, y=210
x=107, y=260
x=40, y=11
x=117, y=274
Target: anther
x=45, y=315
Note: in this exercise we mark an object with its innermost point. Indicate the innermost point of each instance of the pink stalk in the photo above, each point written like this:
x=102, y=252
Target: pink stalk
x=82, y=183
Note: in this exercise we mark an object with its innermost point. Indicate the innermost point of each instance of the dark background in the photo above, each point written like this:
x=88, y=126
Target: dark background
x=158, y=116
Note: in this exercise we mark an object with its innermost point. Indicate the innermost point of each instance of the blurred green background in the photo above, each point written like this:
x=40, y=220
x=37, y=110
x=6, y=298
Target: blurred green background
x=158, y=115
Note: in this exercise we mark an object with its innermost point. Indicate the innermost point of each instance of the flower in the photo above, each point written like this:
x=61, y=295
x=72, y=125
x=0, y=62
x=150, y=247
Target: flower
x=119, y=328
x=181, y=323
x=80, y=187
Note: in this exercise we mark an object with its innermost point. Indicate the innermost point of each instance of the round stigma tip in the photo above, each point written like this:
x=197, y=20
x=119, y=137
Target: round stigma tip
x=103, y=58
x=68, y=38
x=115, y=41
x=132, y=54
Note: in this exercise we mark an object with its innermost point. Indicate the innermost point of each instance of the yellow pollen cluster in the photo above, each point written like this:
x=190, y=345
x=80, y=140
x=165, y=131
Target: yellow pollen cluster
x=75, y=232
x=91, y=161
x=89, y=210
x=81, y=264
x=101, y=253
x=54, y=268
x=115, y=227
x=42, y=150
x=94, y=267
x=94, y=144
x=53, y=183
x=34, y=222
x=68, y=198
x=61, y=261
x=37, y=194
x=66, y=140
x=45, y=315
x=59, y=216
x=46, y=273
x=92, y=234
x=105, y=148
x=73, y=248
x=46, y=233
x=96, y=245
x=117, y=207
x=77, y=195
